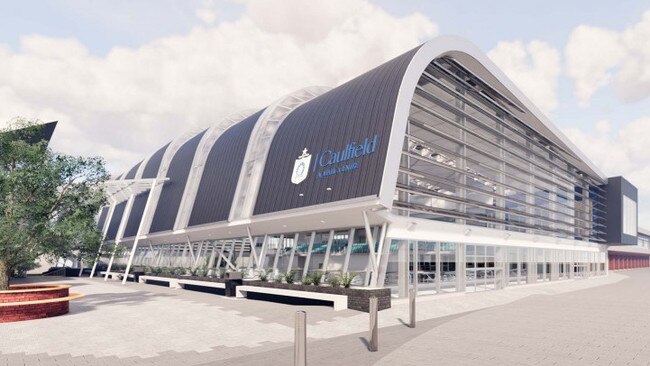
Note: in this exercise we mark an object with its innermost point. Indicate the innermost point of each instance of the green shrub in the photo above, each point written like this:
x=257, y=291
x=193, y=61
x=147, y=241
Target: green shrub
x=179, y=271
x=307, y=280
x=201, y=271
x=347, y=279
x=263, y=275
x=289, y=277
x=278, y=278
x=316, y=277
x=335, y=281
x=166, y=271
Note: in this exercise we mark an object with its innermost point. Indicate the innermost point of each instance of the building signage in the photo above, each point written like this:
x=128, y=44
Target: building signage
x=331, y=162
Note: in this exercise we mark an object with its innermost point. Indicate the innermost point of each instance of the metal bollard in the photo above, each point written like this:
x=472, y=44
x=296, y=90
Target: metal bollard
x=373, y=345
x=300, y=340
x=412, y=308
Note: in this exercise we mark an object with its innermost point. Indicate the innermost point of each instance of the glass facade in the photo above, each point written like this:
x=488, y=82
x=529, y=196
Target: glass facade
x=468, y=159
x=440, y=267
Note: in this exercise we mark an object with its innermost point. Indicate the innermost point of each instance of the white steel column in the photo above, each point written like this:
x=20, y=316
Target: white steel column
x=348, y=250
x=277, y=253
x=311, y=245
x=371, y=243
x=198, y=255
x=232, y=250
x=241, y=251
x=261, y=261
x=212, y=258
x=223, y=245
x=383, y=261
x=293, y=251
x=328, y=249
x=139, y=233
x=107, y=222
x=253, y=250
x=120, y=230
x=380, y=249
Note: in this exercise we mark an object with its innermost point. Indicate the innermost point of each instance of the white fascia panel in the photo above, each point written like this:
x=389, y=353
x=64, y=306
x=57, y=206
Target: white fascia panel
x=402, y=227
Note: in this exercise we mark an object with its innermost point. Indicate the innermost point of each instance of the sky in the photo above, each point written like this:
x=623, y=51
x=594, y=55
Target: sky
x=123, y=77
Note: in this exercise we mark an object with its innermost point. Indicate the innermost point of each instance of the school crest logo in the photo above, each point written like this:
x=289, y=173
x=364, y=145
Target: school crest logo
x=301, y=167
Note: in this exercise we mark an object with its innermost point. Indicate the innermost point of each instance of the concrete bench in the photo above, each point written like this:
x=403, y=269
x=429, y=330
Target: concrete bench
x=180, y=282
x=340, y=301
x=113, y=275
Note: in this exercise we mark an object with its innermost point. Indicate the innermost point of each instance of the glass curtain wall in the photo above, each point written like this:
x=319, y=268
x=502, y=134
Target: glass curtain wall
x=468, y=159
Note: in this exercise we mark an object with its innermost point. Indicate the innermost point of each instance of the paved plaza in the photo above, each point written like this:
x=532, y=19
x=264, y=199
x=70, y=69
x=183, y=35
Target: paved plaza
x=596, y=321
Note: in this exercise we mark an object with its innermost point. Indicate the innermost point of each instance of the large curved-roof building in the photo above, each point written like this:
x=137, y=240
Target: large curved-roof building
x=434, y=155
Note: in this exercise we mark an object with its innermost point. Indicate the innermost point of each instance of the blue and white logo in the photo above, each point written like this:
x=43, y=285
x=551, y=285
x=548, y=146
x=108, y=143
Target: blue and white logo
x=301, y=167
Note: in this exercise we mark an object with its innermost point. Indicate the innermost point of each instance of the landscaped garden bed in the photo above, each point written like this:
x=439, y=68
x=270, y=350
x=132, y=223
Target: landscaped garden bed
x=320, y=282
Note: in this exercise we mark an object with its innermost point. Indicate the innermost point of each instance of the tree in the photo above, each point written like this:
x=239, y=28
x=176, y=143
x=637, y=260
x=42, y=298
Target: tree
x=48, y=201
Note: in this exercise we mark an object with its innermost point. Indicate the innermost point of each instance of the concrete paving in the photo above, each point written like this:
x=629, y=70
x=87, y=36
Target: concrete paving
x=595, y=321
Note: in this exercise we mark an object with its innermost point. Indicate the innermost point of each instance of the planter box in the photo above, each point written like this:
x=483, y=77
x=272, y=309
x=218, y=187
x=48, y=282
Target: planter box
x=194, y=278
x=358, y=297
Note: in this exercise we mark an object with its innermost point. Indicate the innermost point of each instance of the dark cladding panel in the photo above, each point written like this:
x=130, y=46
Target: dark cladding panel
x=172, y=192
x=131, y=173
x=349, y=114
x=101, y=221
x=153, y=164
x=622, y=211
x=221, y=173
x=118, y=212
x=137, y=210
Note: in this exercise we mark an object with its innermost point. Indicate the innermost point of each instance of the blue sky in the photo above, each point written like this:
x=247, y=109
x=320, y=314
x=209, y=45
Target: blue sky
x=109, y=88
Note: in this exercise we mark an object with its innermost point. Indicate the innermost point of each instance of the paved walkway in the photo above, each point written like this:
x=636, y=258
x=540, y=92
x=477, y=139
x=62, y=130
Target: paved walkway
x=596, y=321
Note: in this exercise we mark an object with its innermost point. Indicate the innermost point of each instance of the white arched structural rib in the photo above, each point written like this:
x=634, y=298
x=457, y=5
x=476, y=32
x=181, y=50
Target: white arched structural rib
x=198, y=164
x=259, y=144
x=147, y=217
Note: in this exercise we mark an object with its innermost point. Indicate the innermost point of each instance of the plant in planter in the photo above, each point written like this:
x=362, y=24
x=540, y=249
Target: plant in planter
x=289, y=277
x=307, y=280
x=317, y=277
x=347, y=278
x=156, y=270
x=200, y=272
x=278, y=277
x=179, y=271
x=263, y=275
x=335, y=281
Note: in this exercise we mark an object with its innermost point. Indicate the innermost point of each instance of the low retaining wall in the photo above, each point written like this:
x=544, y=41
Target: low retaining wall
x=27, y=302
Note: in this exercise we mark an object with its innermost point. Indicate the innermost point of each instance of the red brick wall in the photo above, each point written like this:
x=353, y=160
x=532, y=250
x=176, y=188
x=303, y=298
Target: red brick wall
x=29, y=296
x=33, y=311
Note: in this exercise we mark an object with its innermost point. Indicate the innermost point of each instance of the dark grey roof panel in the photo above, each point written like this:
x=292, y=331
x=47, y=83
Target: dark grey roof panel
x=131, y=173
x=137, y=210
x=221, y=173
x=172, y=192
x=118, y=212
x=102, y=218
x=151, y=169
x=359, y=109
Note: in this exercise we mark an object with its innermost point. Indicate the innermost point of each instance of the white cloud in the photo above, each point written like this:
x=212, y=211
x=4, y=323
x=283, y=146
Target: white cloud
x=625, y=153
x=207, y=12
x=132, y=100
x=534, y=67
x=598, y=56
